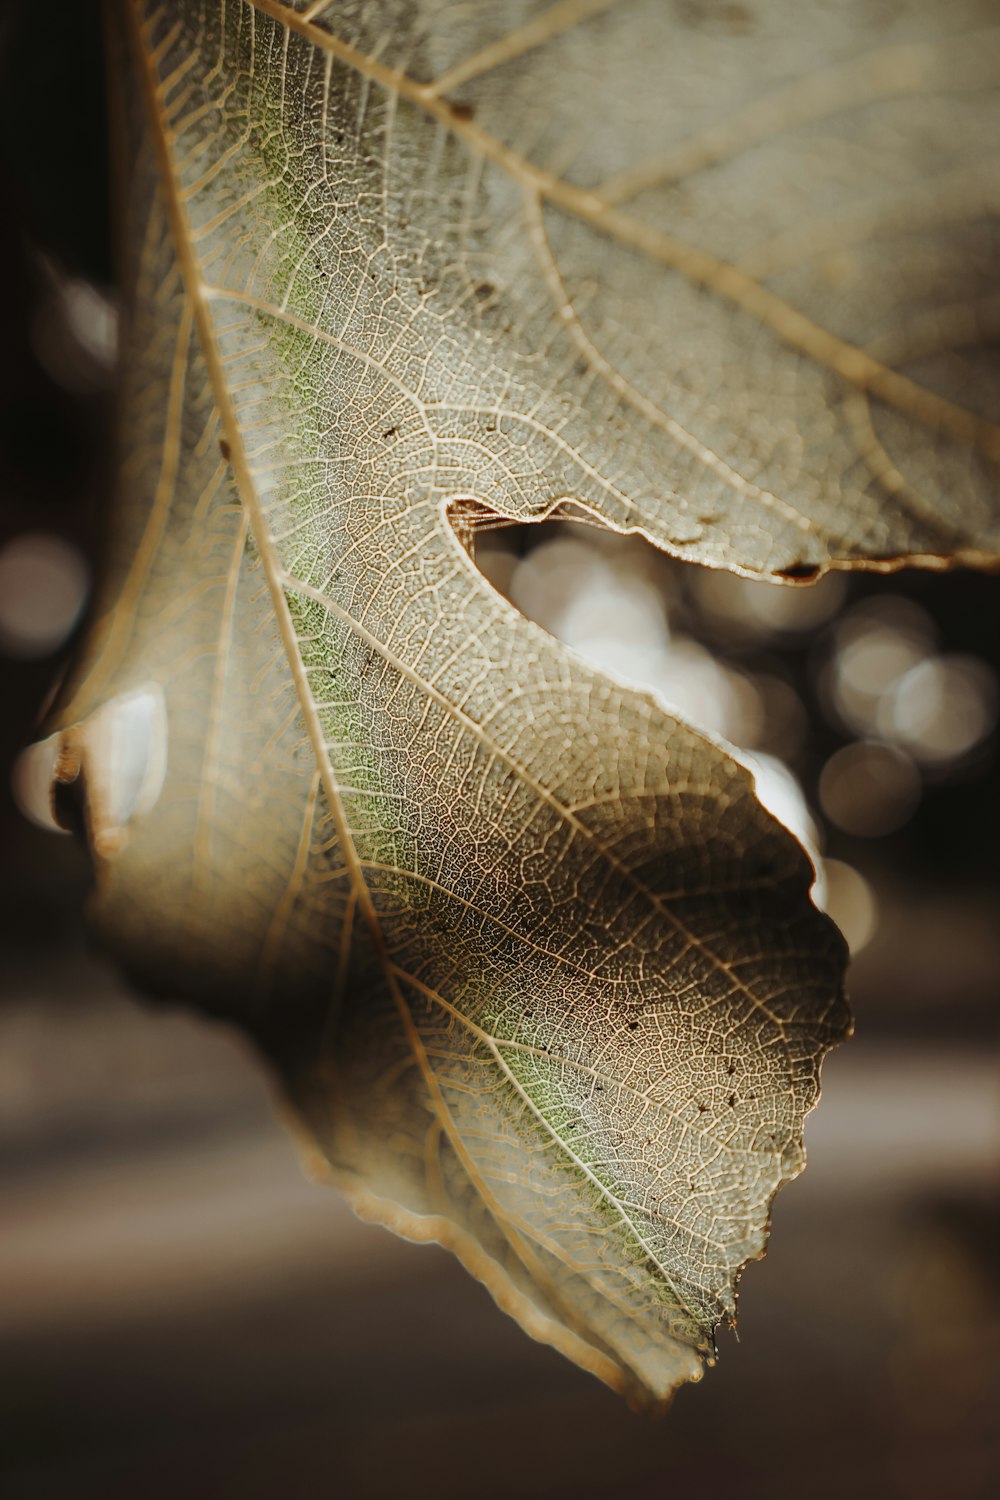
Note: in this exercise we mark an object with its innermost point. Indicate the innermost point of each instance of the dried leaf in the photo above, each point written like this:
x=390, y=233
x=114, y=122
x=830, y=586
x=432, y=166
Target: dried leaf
x=541, y=977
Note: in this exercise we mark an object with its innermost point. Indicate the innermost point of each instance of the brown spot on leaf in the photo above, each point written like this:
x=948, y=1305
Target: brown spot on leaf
x=800, y=572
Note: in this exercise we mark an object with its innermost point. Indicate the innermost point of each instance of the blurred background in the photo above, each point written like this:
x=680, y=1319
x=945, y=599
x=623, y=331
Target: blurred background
x=180, y=1309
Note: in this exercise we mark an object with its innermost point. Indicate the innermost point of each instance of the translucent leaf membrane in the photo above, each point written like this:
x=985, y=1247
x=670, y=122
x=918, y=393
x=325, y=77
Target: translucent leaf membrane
x=540, y=975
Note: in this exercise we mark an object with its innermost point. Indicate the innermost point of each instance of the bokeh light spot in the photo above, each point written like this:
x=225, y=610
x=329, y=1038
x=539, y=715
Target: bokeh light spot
x=849, y=899
x=43, y=586
x=869, y=789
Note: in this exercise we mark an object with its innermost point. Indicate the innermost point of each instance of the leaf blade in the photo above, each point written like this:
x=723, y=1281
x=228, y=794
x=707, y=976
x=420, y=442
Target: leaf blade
x=509, y=859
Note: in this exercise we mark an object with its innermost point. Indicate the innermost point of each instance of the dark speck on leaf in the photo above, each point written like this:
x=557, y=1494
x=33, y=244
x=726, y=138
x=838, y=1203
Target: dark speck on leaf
x=225, y=449
x=461, y=111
